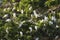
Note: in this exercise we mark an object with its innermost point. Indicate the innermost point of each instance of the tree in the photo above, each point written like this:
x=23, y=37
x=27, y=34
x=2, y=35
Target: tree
x=29, y=19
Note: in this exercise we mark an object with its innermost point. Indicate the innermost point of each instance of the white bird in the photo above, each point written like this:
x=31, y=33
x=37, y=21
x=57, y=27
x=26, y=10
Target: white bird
x=7, y=30
x=22, y=11
x=21, y=24
x=37, y=38
x=4, y=9
x=13, y=8
x=30, y=29
x=6, y=15
x=50, y=22
x=53, y=18
x=57, y=26
x=8, y=20
x=30, y=7
x=14, y=14
x=36, y=27
x=21, y=33
x=45, y=18
x=35, y=13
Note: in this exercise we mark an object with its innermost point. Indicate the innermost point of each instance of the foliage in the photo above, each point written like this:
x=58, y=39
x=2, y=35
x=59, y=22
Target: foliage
x=29, y=19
